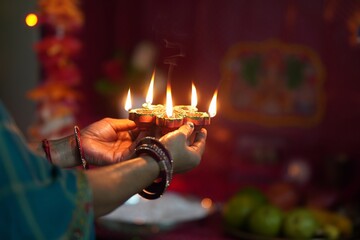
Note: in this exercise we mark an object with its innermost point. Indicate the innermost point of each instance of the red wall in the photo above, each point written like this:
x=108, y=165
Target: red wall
x=206, y=30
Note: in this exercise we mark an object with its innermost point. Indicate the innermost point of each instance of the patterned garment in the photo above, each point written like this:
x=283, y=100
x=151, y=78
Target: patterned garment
x=39, y=200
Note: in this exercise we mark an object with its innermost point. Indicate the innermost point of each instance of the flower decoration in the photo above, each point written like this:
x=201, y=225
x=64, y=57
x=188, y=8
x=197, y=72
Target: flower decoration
x=53, y=47
x=63, y=14
x=56, y=55
x=56, y=96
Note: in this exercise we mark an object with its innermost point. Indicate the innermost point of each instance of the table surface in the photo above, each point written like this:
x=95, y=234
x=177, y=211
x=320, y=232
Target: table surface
x=209, y=228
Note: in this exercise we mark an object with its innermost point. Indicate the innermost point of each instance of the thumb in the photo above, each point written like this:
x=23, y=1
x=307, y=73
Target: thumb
x=187, y=129
x=121, y=124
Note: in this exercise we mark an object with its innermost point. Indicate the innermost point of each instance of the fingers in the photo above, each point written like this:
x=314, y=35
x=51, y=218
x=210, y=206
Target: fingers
x=187, y=129
x=201, y=136
x=199, y=142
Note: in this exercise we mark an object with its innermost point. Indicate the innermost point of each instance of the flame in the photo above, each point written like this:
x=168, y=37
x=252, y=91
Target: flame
x=212, y=106
x=150, y=93
x=128, y=104
x=194, y=100
x=169, y=104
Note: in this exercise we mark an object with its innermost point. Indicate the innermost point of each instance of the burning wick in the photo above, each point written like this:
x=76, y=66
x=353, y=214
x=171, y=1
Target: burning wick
x=143, y=117
x=193, y=96
x=212, y=106
x=170, y=120
x=150, y=97
x=184, y=109
x=169, y=104
x=128, y=104
x=150, y=93
x=201, y=119
x=169, y=117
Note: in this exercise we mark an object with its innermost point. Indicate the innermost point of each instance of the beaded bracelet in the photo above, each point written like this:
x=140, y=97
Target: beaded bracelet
x=160, y=154
x=79, y=146
x=46, y=147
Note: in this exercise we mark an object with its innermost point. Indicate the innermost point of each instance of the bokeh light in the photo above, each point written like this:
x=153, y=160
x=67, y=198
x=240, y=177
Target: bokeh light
x=31, y=19
x=206, y=203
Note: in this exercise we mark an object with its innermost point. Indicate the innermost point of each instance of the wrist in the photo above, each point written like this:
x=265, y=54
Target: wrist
x=151, y=147
x=65, y=152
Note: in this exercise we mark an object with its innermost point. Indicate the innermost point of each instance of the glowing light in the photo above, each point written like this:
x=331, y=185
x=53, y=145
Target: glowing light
x=206, y=203
x=169, y=104
x=31, y=19
x=194, y=100
x=150, y=93
x=212, y=106
x=128, y=104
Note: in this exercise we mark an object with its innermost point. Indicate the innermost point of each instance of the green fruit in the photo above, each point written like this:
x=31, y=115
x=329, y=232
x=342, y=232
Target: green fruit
x=238, y=208
x=331, y=232
x=254, y=193
x=299, y=223
x=266, y=220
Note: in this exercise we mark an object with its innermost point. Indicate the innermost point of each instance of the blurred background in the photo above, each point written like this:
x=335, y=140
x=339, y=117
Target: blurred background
x=287, y=75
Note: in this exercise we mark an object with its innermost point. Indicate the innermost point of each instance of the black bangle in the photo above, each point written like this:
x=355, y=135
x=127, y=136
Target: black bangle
x=161, y=155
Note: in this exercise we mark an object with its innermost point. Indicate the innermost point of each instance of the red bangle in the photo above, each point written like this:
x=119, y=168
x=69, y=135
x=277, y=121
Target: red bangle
x=79, y=146
x=46, y=147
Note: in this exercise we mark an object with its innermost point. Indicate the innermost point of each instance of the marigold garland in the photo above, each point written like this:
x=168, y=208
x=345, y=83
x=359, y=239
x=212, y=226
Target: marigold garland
x=56, y=96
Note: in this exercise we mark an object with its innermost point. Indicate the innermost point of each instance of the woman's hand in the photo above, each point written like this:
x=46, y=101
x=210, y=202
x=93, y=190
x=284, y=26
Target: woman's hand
x=114, y=184
x=107, y=141
x=185, y=152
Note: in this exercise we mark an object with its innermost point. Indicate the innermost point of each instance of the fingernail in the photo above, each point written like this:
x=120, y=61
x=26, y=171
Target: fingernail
x=191, y=124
